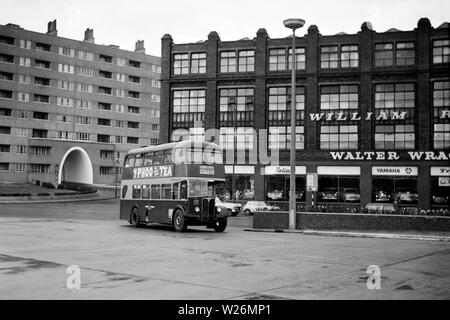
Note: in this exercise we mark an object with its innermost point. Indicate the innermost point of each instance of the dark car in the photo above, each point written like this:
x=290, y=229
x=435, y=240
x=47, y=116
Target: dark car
x=349, y=195
x=405, y=195
x=440, y=198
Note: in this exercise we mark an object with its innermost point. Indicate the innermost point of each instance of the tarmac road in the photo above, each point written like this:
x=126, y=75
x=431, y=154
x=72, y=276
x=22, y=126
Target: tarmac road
x=39, y=242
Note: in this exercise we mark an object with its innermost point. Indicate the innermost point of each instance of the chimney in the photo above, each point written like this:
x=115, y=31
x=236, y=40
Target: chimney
x=89, y=35
x=51, y=28
x=139, y=46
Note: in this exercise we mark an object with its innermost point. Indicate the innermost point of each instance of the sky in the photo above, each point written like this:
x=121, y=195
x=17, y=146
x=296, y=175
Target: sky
x=124, y=22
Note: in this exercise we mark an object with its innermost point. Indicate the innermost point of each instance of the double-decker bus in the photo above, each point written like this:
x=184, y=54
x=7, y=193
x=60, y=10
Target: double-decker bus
x=174, y=184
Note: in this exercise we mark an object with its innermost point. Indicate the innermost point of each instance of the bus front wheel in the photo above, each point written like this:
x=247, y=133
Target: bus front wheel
x=134, y=217
x=179, y=222
x=220, y=225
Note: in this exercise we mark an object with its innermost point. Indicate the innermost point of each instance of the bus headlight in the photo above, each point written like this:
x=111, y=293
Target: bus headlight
x=219, y=209
x=197, y=209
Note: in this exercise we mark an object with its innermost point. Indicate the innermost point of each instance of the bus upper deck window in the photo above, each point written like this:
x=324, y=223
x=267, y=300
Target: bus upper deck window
x=129, y=161
x=139, y=162
x=148, y=159
x=167, y=156
x=183, y=190
x=158, y=157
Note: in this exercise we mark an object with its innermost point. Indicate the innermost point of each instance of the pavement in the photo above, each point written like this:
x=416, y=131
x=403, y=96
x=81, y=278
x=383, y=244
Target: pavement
x=41, y=244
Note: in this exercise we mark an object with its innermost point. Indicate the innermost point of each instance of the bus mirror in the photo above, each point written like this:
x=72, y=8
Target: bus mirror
x=149, y=207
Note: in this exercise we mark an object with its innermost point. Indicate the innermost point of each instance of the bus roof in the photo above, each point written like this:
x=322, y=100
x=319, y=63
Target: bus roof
x=172, y=145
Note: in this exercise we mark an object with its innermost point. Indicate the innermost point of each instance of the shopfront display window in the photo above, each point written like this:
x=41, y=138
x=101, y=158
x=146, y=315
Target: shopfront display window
x=338, y=189
x=400, y=190
x=240, y=187
x=278, y=188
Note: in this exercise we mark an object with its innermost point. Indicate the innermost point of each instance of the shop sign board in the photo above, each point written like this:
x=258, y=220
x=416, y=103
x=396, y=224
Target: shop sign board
x=283, y=170
x=440, y=171
x=444, y=181
x=394, y=171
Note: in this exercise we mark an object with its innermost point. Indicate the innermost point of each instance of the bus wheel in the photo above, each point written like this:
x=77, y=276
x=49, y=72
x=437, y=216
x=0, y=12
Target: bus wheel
x=179, y=223
x=220, y=225
x=134, y=217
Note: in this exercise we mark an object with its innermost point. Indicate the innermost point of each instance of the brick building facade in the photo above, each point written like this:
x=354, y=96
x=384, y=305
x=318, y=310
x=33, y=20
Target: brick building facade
x=366, y=104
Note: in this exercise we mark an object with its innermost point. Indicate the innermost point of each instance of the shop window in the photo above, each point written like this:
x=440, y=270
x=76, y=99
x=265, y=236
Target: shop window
x=278, y=187
x=241, y=187
x=338, y=189
x=400, y=190
x=440, y=194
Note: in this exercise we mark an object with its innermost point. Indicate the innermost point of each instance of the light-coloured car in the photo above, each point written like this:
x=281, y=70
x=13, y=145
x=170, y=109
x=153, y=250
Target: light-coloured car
x=350, y=195
x=403, y=195
x=381, y=208
x=234, y=207
x=251, y=206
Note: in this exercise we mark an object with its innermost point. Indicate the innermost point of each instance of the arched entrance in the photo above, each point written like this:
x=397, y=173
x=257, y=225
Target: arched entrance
x=76, y=166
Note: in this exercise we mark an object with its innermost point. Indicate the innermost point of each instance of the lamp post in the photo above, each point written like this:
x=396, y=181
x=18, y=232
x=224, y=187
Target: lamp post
x=293, y=24
x=116, y=167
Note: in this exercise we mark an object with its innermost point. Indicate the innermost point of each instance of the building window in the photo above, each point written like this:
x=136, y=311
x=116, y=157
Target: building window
x=121, y=62
x=105, y=74
x=83, y=136
x=120, y=108
x=188, y=107
x=441, y=103
x=300, y=59
x=40, y=115
x=228, y=61
x=7, y=58
x=85, y=104
x=395, y=101
x=280, y=106
x=134, y=79
x=22, y=132
x=5, y=130
x=4, y=166
x=104, y=106
x=20, y=167
x=132, y=109
x=86, y=55
x=24, y=62
x=181, y=63
x=104, y=90
x=342, y=97
x=133, y=140
x=24, y=97
x=198, y=63
x=6, y=94
x=65, y=85
x=155, y=127
x=107, y=154
x=43, y=47
x=156, y=83
x=120, y=77
x=119, y=139
x=236, y=107
x=134, y=64
x=65, y=68
x=105, y=58
x=104, y=122
x=106, y=170
x=22, y=114
x=24, y=79
x=120, y=93
x=241, y=138
x=394, y=136
x=68, y=52
x=6, y=40
x=280, y=137
x=82, y=120
x=246, y=61
x=384, y=54
x=39, y=133
x=6, y=76
x=277, y=59
x=39, y=168
x=65, y=102
x=134, y=94
x=156, y=98
x=25, y=44
x=405, y=53
x=82, y=87
x=40, y=151
x=134, y=125
x=153, y=141
x=156, y=69
x=62, y=118
x=349, y=56
x=119, y=123
x=42, y=64
x=103, y=138
x=42, y=81
x=5, y=112
x=21, y=149
x=329, y=57
x=41, y=98
x=441, y=51
x=63, y=135
x=5, y=148
x=339, y=137
x=86, y=72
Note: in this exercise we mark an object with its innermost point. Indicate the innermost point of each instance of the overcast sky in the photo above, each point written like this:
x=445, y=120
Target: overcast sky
x=123, y=22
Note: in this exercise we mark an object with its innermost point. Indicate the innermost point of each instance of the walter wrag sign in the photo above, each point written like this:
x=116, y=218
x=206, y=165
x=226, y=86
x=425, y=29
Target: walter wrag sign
x=390, y=155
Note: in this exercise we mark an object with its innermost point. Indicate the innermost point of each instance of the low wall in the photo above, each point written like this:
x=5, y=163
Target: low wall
x=350, y=221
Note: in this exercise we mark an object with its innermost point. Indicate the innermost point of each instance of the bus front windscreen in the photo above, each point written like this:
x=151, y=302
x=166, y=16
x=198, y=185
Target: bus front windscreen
x=198, y=188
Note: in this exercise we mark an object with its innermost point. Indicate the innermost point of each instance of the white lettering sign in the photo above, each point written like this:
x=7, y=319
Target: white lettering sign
x=152, y=172
x=440, y=171
x=394, y=171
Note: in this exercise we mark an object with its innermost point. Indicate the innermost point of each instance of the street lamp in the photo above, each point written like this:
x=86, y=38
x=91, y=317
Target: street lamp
x=293, y=24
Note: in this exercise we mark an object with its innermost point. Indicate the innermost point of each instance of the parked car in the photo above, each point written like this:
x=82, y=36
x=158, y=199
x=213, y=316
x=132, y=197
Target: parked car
x=275, y=194
x=328, y=194
x=381, y=195
x=234, y=207
x=251, y=206
x=349, y=195
x=248, y=194
x=405, y=195
x=381, y=208
x=440, y=198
